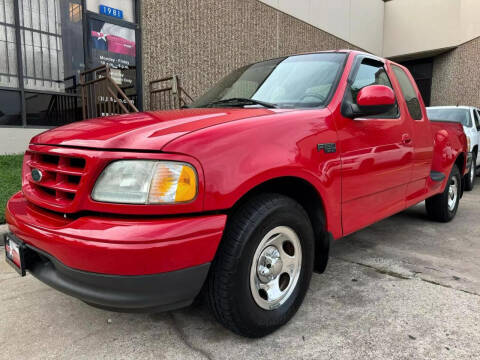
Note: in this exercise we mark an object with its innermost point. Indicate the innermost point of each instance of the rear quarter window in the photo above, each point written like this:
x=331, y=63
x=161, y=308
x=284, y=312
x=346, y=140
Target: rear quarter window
x=409, y=93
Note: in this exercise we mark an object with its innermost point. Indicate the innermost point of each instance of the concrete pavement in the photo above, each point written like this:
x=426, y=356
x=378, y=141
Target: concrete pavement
x=3, y=229
x=405, y=288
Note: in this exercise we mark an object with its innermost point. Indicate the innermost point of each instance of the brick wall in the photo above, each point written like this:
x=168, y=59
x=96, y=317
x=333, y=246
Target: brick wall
x=456, y=76
x=203, y=40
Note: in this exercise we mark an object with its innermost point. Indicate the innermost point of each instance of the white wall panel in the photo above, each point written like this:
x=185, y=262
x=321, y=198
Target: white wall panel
x=360, y=22
x=470, y=19
x=272, y=3
x=297, y=8
x=16, y=140
x=392, y=28
x=413, y=26
x=366, y=25
x=331, y=16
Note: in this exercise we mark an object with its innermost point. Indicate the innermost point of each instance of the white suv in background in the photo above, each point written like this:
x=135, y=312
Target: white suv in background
x=469, y=117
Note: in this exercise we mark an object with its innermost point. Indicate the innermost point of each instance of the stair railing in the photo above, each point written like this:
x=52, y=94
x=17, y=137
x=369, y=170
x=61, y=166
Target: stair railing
x=101, y=95
x=167, y=94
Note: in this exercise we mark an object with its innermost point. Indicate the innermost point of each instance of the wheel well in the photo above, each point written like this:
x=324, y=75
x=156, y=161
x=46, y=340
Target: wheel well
x=308, y=197
x=460, y=162
x=475, y=150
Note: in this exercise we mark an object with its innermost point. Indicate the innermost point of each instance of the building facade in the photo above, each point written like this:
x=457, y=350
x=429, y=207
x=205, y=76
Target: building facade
x=45, y=45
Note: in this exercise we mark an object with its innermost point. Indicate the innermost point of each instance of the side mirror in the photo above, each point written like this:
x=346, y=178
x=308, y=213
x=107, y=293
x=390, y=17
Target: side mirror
x=371, y=100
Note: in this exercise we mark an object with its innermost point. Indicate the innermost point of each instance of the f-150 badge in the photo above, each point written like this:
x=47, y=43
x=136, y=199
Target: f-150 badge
x=327, y=148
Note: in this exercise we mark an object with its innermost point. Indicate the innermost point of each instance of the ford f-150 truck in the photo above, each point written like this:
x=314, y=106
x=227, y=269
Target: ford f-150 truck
x=237, y=197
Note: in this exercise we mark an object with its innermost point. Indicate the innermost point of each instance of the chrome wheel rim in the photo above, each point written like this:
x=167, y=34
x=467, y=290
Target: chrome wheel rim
x=275, y=268
x=472, y=173
x=452, y=193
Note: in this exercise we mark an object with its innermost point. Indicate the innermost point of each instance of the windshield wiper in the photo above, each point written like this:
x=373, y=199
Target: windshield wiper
x=243, y=101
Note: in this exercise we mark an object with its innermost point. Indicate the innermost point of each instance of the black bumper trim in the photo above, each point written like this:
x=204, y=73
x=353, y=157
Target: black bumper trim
x=137, y=293
x=437, y=176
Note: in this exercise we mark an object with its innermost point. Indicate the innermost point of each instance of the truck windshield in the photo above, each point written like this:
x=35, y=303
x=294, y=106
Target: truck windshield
x=459, y=115
x=301, y=81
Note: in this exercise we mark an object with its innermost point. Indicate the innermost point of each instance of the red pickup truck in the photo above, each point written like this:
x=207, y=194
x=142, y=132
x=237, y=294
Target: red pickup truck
x=238, y=195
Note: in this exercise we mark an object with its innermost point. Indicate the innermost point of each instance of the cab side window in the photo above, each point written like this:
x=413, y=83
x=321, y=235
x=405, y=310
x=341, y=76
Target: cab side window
x=476, y=117
x=409, y=93
x=372, y=72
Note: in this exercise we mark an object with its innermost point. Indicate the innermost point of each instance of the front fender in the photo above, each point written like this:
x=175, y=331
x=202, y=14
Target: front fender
x=238, y=156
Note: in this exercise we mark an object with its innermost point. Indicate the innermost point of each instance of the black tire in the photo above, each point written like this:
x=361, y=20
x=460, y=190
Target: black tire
x=228, y=288
x=437, y=206
x=472, y=174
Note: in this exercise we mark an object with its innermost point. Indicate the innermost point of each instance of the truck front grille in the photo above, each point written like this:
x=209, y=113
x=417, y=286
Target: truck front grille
x=60, y=180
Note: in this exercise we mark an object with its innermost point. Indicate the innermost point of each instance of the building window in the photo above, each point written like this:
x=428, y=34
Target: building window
x=51, y=109
x=49, y=43
x=10, y=108
x=42, y=54
x=75, y=12
x=8, y=49
x=114, y=45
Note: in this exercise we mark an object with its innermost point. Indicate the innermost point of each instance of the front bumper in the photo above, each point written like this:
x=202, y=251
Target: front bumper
x=124, y=264
x=140, y=293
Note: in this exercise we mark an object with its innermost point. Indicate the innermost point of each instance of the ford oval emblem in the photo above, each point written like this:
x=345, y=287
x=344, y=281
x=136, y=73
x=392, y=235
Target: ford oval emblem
x=36, y=175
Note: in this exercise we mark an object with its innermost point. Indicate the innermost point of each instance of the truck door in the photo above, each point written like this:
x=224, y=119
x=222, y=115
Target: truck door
x=376, y=154
x=411, y=105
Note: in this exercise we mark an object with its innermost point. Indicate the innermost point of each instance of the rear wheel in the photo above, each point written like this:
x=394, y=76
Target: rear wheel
x=263, y=266
x=472, y=174
x=443, y=207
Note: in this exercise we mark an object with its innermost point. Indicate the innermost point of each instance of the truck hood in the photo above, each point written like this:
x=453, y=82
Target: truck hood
x=142, y=131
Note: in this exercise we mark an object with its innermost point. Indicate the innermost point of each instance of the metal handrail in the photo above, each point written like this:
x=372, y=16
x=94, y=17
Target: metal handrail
x=63, y=106
x=115, y=85
x=167, y=93
x=101, y=95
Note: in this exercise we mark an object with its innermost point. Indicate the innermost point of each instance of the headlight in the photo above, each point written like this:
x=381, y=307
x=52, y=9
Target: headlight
x=146, y=182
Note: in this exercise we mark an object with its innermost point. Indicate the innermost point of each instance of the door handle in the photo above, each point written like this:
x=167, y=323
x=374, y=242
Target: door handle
x=406, y=139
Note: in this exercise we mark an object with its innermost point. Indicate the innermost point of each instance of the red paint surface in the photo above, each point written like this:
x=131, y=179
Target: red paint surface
x=148, y=131
x=122, y=246
x=96, y=161
x=381, y=166
x=375, y=95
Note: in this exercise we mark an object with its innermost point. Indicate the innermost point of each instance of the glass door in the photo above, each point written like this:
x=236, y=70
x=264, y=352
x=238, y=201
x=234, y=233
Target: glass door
x=113, y=41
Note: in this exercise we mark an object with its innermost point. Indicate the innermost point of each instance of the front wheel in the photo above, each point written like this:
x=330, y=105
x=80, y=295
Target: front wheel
x=472, y=174
x=443, y=207
x=263, y=266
